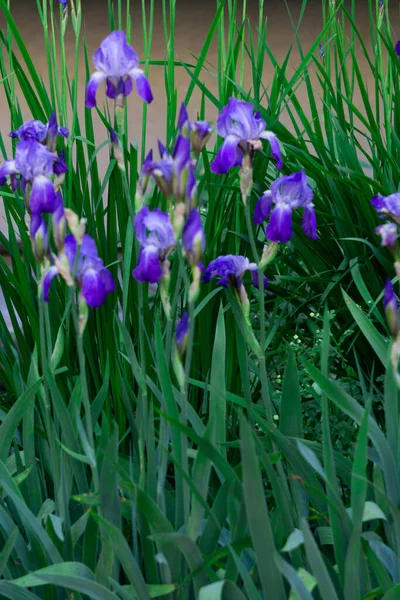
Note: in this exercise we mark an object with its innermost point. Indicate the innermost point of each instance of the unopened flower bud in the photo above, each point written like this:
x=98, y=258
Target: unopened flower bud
x=76, y=225
x=38, y=233
x=246, y=177
x=391, y=309
x=178, y=218
x=117, y=149
x=195, y=285
x=268, y=255
x=181, y=333
x=83, y=313
x=62, y=265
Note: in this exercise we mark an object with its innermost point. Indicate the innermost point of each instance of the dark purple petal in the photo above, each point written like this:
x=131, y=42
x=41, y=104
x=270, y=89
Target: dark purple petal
x=91, y=89
x=230, y=269
x=309, y=222
x=263, y=208
x=63, y=132
x=109, y=283
x=275, y=148
x=52, y=129
x=228, y=156
x=279, y=228
x=254, y=278
x=181, y=154
x=59, y=166
x=142, y=85
x=51, y=273
x=93, y=288
x=183, y=119
x=397, y=48
x=148, y=267
x=43, y=196
x=182, y=328
x=191, y=188
x=162, y=150
x=59, y=223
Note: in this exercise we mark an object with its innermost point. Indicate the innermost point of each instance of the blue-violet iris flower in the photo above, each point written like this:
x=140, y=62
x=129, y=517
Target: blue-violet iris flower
x=199, y=132
x=387, y=206
x=91, y=276
x=117, y=63
x=36, y=130
x=174, y=174
x=34, y=162
x=242, y=129
x=230, y=269
x=156, y=237
x=285, y=195
x=388, y=233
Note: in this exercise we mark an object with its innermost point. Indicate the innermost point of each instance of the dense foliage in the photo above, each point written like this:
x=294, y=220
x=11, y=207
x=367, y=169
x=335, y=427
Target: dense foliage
x=172, y=424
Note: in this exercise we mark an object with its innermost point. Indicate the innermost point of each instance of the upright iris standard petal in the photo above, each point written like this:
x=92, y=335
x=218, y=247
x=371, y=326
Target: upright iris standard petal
x=263, y=208
x=36, y=130
x=230, y=269
x=117, y=62
x=242, y=129
x=7, y=168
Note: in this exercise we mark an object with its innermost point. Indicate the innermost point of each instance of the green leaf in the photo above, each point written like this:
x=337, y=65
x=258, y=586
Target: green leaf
x=376, y=340
x=295, y=539
x=316, y=561
x=258, y=517
x=291, y=422
x=221, y=590
x=74, y=569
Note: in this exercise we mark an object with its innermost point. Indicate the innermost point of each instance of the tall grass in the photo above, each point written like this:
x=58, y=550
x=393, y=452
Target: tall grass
x=116, y=480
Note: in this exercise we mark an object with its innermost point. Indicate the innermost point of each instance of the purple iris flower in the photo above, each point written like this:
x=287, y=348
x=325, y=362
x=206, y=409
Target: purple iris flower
x=230, y=269
x=199, y=132
x=286, y=194
x=34, y=163
x=174, y=174
x=63, y=3
x=242, y=130
x=387, y=206
x=397, y=48
x=193, y=237
x=91, y=276
x=117, y=63
x=156, y=237
x=36, y=130
x=388, y=233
